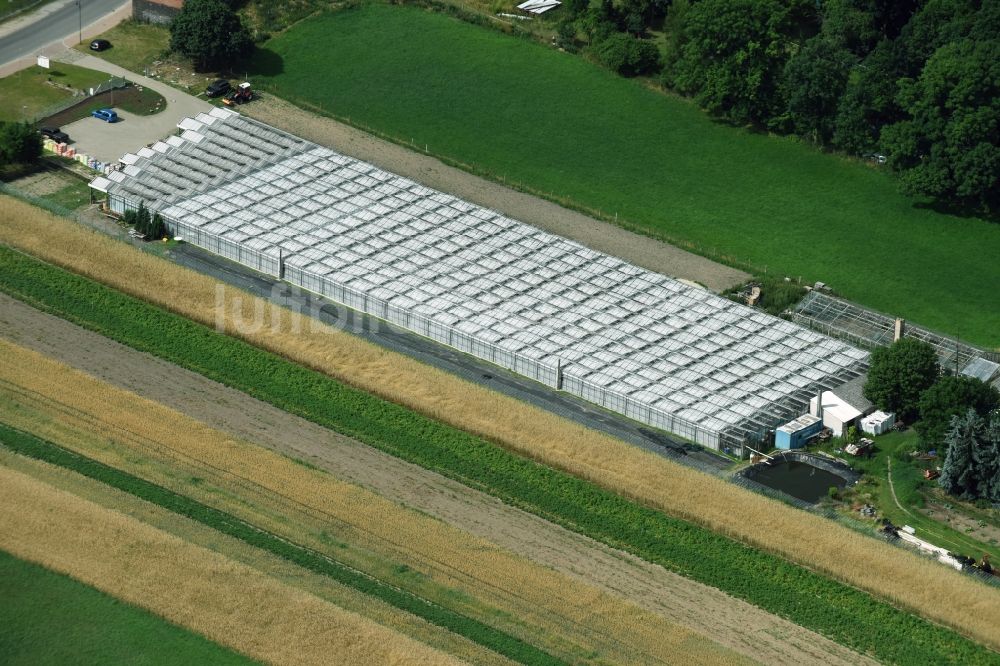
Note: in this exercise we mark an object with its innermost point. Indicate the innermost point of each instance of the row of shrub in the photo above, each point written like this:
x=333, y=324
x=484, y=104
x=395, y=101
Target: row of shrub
x=498, y=641
x=847, y=615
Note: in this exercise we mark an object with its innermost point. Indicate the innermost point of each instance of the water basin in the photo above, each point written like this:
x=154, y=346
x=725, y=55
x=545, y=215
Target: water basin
x=800, y=477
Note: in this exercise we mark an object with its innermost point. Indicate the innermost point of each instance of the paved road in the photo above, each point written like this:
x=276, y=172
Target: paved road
x=108, y=142
x=54, y=25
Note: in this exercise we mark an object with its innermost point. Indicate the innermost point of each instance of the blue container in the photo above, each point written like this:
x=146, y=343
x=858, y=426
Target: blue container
x=795, y=434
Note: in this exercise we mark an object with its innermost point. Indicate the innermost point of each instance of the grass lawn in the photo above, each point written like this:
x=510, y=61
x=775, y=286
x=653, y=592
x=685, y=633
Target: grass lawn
x=49, y=618
x=144, y=102
x=25, y=95
x=133, y=45
x=568, y=129
x=8, y=8
x=910, y=489
x=73, y=196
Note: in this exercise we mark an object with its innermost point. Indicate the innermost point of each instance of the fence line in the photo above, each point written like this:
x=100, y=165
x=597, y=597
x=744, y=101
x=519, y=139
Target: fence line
x=114, y=83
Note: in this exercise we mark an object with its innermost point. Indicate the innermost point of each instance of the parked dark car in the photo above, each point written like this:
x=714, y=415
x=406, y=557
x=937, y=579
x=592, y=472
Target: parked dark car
x=100, y=45
x=54, y=133
x=217, y=88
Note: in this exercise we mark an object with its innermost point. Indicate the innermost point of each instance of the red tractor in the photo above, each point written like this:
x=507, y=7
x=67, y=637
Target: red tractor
x=240, y=94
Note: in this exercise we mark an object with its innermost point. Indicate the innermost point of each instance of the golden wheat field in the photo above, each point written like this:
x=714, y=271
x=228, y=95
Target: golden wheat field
x=131, y=433
x=909, y=581
x=228, y=602
x=267, y=564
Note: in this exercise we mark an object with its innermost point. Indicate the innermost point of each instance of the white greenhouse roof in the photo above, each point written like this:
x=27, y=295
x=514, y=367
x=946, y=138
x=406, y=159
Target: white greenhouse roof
x=625, y=337
x=981, y=369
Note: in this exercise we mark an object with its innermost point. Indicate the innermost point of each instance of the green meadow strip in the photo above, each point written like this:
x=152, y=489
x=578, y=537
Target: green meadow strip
x=50, y=618
x=847, y=615
x=493, y=639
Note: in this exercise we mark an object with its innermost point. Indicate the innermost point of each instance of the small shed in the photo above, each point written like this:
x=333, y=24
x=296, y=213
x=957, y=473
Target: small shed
x=835, y=412
x=878, y=422
x=841, y=406
x=795, y=434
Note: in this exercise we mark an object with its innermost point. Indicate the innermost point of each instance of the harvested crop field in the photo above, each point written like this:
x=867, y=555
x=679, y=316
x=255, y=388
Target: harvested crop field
x=226, y=601
x=733, y=623
x=312, y=508
x=905, y=579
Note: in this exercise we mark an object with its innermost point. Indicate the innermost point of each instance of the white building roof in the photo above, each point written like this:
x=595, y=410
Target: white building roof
x=798, y=424
x=838, y=407
x=622, y=336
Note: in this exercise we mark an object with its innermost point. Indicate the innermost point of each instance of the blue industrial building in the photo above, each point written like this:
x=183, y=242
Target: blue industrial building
x=795, y=434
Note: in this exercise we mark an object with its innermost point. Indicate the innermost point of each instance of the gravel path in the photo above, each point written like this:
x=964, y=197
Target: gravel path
x=601, y=236
x=706, y=610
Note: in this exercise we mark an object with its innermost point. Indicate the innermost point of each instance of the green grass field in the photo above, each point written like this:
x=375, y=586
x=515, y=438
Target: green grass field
x=133, y=45
x=49, y=618
x=26, y=94
x=560, y=126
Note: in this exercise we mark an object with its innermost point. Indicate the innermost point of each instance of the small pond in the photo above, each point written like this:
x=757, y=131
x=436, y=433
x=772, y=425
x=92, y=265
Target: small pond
x=795, y=475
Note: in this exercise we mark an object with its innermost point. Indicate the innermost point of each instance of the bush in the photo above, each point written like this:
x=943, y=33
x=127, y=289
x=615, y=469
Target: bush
x=566, y=36
x=628, y=56
x=952, y=396
x=211, y=34
x=20, y=143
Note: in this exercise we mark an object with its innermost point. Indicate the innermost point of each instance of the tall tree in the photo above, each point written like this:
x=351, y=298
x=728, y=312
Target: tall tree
x=950, y=148
x=20, y=143
x=960, y=475
x=899, y=374
x=952, y=396
x=851, y=25
x=210, y=33
x=990, y=459
x=814, y=81
x=732, y=54
x=869, y=100
x=938, y=22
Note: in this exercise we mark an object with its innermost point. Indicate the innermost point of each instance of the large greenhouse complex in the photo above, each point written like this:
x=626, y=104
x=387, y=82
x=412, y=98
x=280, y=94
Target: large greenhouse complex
x=670, y=355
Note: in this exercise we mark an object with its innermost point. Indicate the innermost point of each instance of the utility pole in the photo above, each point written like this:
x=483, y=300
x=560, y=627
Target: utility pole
x=79, y=13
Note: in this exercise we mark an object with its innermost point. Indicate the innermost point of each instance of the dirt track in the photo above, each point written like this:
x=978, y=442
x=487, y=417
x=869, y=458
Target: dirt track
x=728, y=621
x=602, y=236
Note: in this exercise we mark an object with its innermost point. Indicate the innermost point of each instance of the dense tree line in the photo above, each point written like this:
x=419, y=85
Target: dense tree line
x=149, y=225
x=905, y=378
x=211, y=33
x=915, y=80
x=971, y=469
